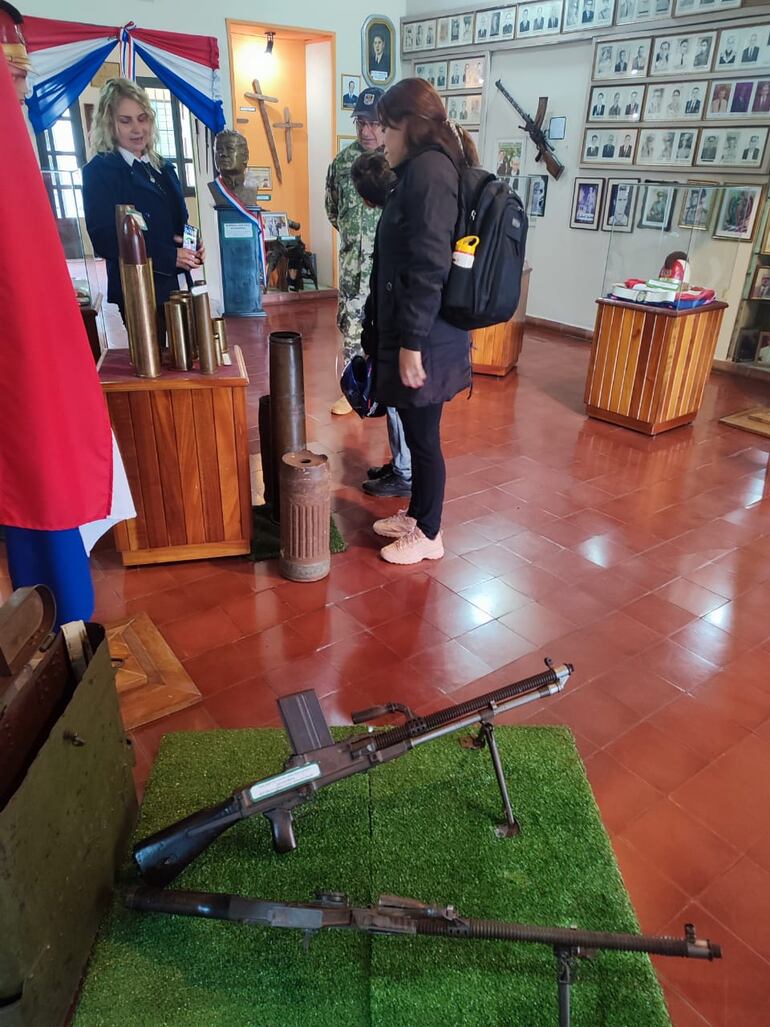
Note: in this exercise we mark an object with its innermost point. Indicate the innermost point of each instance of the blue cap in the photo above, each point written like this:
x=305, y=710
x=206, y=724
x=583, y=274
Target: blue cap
x=367, y=103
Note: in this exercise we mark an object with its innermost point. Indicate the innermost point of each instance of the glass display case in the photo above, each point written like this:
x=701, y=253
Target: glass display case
x=750, y=344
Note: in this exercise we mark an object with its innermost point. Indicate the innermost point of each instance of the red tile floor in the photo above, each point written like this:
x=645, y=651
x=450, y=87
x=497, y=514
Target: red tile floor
x=645, y=562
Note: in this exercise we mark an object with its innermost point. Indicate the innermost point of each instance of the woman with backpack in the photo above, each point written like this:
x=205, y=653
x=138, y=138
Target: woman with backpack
x=420, y=360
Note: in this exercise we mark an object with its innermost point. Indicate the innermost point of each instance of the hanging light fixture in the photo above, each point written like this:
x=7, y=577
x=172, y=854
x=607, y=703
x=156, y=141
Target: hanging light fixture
x=270, y=43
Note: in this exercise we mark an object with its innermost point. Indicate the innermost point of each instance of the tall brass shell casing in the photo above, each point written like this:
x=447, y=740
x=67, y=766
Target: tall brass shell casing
x=139, y=299
x=184, y=297
x=287, y=402
x=207, y=349
x=305, y=511
x=176, y=326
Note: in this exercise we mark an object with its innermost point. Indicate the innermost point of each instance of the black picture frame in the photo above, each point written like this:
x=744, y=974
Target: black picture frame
x=378, y=62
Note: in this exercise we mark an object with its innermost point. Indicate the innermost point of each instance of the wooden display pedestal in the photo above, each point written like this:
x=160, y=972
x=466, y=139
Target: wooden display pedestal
x=649, y=365
x=184, y=442
x=496, y=350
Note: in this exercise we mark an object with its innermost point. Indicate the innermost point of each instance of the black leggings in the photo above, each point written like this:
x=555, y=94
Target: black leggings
x=423, y=437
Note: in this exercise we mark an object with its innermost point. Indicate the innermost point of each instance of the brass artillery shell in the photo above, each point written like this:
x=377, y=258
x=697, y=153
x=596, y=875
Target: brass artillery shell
x=207, y=350
x=220, y=329
x=176, y=326
x=185, y=298
x=305, y=503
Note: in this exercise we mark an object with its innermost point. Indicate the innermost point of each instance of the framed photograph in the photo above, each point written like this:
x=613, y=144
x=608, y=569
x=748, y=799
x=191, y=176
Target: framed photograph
x=763, y=348
x=738, y=212
x=350, y=87
x=736, y=99
x=587, y=15
x=510, y=157
x=466, y=110
x=698, y=207
x=537, y=195
x=760, y=287
x=343, y=142
x=522, y=186
x=455, y=30
x=630, y=12
x=276, y=225
x=628, y=58
x=495, y=25
x=743, y=50
x=615, y=146
x=747, y=346
x=676, y=101
x=667, y=146
x=467, y=73
x=683, y=55
x=557, y=128
x=378, y=50
x=586, y=203
x=419, y=35
x=620, y=205
x=685, y=7
x=616, y=103
x=260, y=179
x=435, y=73
x=739, y=148
x=657, y=206
x=539, y=19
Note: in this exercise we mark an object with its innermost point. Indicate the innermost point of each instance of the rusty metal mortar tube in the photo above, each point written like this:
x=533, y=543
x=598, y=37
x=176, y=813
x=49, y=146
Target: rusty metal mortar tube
x=287, y=402
x=305, y=512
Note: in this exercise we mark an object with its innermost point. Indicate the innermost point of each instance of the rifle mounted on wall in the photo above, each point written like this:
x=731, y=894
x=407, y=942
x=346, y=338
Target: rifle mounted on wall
x=534, y=129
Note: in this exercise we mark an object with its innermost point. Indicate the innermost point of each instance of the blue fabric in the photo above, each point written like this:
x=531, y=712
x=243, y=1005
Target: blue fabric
x=205, y=109
x=57, y=559
x=401, y=457
x=107, y=181
x=52, y=97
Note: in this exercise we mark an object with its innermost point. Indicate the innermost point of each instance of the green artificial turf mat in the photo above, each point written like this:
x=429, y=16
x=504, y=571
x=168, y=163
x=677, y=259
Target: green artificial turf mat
x=266, y=538
x=421, y=826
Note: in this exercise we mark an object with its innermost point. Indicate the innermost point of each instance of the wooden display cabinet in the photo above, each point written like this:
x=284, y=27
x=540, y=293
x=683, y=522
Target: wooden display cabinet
x=495, y=350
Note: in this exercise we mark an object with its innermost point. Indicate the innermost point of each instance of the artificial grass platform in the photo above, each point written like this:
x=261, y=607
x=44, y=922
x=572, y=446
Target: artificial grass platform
x=421, y=826
x=266, y=536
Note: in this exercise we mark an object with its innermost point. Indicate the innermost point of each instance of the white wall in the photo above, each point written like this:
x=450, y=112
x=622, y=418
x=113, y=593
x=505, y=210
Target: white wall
x=320, y=99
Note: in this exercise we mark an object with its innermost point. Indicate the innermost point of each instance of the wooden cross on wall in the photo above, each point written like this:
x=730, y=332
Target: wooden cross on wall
x=287, y=125
x=261, y=100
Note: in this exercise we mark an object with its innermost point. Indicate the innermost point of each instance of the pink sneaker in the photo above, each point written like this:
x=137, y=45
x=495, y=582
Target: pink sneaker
x=413, y=547
x=396, y=526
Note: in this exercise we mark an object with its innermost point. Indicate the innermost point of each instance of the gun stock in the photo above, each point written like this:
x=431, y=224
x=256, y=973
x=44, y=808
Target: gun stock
x=553, y=165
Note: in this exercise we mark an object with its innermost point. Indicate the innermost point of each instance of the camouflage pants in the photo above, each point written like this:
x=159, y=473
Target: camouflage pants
x=349, y=318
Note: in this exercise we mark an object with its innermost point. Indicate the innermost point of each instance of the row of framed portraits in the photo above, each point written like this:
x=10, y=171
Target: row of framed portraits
x=624, y=204
x=466, y=73
x=720, y=99
x=735, y=149
x=498, y=24
x=742, y=50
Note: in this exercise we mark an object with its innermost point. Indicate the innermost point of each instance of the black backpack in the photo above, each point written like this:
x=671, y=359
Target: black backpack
x=487, y=293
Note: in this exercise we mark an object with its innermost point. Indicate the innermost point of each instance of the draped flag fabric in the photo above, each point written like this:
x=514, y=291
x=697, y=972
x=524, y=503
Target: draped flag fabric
x=66, y=55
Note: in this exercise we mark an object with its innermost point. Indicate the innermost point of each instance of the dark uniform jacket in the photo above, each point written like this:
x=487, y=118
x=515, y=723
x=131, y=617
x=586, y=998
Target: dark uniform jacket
x=412, y=259
x=107, y=181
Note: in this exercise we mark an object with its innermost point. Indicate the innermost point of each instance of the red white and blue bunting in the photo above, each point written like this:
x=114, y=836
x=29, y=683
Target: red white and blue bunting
x=66, y=55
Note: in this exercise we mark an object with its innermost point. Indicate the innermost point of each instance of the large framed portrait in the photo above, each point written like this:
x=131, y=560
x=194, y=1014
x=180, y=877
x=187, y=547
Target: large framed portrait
x=743, y=50
x=586, y=203
x=609, y=146
x=455, y=30
x=760, y=287
x=466, y=110
x=630, y=12
x=435, y=73
x=620, y=205
x=657, y=206
x=667, y=146
x=698, y=205
x=586, y=15
x=676, y=101
x=738, y=148
x=627, y=58
x=419, y=35
x=616, y=103
x=467, y=73
x=495, y=25
x=378, y=50
x=682, y=8
x=738, y=212
x=683, y=55
x=739, y=99
x=539, y=19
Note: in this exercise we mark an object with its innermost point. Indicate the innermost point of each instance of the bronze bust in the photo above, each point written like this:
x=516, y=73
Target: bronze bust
x=231, y=156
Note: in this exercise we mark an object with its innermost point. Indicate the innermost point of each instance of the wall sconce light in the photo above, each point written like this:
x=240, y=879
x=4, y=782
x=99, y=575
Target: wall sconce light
x=270, y=43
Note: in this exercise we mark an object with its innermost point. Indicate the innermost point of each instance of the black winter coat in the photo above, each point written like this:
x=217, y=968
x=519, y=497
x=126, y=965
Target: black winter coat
x=412, y=258
x=107, y=181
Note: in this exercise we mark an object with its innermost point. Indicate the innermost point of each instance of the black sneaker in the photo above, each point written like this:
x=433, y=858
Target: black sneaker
x=380, y=472
x=389, y=485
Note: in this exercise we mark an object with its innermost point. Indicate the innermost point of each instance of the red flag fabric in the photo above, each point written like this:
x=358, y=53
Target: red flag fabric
x=55, y=438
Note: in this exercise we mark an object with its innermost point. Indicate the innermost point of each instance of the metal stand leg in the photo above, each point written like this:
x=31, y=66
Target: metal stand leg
x=564, y=958
x=511, y=826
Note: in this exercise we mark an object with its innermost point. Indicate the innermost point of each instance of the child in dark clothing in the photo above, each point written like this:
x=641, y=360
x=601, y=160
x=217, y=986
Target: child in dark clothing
x=373, y=178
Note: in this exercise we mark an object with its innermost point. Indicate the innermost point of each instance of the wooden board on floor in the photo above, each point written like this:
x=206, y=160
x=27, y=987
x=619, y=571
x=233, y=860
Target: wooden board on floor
x=151, y=681
x=755, y=419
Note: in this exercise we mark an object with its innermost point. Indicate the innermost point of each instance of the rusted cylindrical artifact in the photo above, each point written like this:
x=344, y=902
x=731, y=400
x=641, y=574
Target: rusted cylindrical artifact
x=287, y=401
x=185, y=298
x=139, y=299
x=176, y=327
x=266, y=453
x=207, y=350
x=305, y=502
x=220, y=332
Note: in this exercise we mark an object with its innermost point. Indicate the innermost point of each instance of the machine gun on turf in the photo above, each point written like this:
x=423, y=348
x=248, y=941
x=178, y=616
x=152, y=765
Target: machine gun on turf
x=394, y=915
x=534, y=129
x=317, y=760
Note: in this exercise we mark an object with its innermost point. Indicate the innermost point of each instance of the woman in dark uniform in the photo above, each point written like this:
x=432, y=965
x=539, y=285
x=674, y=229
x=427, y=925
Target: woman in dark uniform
x=127, y=169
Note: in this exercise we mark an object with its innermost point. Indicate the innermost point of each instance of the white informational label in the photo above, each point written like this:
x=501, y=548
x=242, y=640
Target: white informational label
x=235, y=230
x=284, y=782
x=247, y=110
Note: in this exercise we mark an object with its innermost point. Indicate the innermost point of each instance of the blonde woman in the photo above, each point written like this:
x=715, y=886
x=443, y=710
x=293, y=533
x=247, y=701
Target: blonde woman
x=128, y=169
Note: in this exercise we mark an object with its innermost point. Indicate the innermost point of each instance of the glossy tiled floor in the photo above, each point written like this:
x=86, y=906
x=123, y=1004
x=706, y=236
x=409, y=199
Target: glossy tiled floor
x=644, y=562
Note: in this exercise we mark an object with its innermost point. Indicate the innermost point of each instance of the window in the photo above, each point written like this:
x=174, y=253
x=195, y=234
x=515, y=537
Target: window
x=175, y=141
x=62, y=148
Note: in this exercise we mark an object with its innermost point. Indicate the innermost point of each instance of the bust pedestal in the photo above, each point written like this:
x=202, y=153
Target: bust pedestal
x=241, y=264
